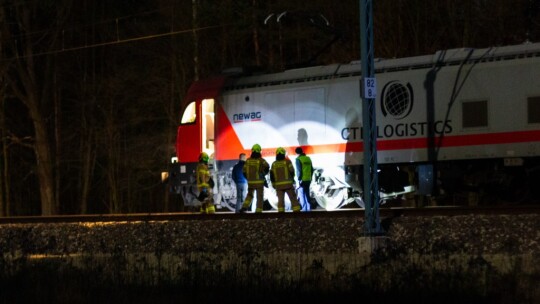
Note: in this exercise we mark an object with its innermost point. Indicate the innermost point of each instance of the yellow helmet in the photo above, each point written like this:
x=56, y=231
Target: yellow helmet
x=256, y=148
x=280, y=150
x=203, y=157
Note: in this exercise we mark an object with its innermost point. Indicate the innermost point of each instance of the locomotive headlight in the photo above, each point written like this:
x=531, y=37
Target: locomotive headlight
x=164, y=176
x=174, y=159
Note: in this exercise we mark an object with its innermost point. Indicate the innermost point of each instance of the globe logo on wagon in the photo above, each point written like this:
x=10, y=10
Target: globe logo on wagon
x=397, y=99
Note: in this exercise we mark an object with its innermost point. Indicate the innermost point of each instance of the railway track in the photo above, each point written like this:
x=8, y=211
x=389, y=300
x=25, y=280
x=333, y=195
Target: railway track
x=181, y=216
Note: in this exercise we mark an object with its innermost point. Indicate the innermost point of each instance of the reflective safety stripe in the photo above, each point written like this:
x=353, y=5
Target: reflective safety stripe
x=203, y=176
x=253, y=168
x=208, y=209
x=281, y=170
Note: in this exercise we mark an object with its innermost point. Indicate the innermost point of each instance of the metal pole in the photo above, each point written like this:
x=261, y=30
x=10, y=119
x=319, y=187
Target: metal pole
x=368, y=92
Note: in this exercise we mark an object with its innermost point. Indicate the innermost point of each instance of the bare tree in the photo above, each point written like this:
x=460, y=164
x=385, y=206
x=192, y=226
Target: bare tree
x=4, y=199
x=30, y=42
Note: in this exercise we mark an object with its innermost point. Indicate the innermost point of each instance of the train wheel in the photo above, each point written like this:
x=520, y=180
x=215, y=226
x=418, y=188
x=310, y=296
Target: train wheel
x=518, y=190
x=270, y=196
x=225, y=195
x=329, y=191
x=228, y=203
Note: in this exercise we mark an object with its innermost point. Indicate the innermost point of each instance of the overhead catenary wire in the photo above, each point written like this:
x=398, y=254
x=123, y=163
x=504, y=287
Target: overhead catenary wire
x=87, y=25
x=113, y=42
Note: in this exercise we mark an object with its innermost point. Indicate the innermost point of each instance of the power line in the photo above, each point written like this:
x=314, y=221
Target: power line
x=87, y=25
x=120, y=41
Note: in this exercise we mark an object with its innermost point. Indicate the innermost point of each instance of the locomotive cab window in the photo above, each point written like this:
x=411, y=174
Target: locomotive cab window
x=474, y=114
x=190, y=114
x=533, y=110
x=207, y=134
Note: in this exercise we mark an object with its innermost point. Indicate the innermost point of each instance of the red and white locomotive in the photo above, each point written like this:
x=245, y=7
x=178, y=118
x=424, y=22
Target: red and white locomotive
x=454, y=122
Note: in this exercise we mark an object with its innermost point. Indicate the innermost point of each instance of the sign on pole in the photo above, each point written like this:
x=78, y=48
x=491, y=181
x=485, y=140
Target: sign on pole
x=370, y=87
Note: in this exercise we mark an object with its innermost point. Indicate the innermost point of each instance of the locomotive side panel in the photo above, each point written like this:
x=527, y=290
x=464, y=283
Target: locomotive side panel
x=431, y=116
x=272, y=117
x=489, y=112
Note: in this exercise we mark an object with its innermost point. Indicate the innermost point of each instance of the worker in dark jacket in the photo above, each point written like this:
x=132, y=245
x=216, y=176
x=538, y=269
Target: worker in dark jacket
x=240, y=181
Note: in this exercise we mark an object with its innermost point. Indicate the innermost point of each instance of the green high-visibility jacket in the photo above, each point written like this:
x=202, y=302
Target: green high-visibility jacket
x=304, y=168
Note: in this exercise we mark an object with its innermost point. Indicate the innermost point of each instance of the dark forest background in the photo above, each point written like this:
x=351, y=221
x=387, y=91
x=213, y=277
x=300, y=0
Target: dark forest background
x=91, y=91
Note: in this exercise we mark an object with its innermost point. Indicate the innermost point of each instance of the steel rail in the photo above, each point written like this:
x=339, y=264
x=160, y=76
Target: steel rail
x=354, y=212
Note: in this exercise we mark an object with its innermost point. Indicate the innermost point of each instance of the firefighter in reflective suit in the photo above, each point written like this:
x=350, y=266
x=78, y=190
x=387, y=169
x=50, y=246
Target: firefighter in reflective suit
x=205, y=185
x=255, y=170
x=282, y=177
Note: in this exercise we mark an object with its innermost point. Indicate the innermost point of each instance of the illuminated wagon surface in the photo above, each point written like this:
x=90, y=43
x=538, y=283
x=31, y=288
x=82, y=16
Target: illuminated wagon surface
x=446, y=122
